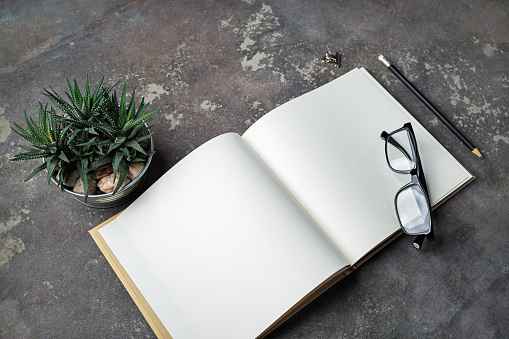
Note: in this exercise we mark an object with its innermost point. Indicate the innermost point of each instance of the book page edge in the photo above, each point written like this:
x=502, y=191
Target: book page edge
x=157, y=326
x=377, y=248
x=456, y=190
x=312, y=295
x=328, y=283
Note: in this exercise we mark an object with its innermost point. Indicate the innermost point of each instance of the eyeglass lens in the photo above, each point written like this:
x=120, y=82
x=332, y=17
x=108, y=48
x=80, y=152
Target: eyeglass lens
x=399, y=152
x=413, y=210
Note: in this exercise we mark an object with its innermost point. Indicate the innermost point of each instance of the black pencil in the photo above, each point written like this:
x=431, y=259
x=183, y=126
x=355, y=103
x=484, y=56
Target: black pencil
x=429, y=105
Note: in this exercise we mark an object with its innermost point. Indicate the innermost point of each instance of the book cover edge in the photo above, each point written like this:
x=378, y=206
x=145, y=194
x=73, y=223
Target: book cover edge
x=150, y=316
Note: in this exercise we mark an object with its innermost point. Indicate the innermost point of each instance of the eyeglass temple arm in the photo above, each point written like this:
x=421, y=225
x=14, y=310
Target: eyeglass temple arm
x=385, y=137
x=420, y=239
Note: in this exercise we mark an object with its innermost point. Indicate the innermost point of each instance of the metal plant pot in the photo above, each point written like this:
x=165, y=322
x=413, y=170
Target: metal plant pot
x=125, y=194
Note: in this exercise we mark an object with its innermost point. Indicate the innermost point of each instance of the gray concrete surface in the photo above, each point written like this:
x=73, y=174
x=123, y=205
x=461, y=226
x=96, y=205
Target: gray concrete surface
x=218, y=66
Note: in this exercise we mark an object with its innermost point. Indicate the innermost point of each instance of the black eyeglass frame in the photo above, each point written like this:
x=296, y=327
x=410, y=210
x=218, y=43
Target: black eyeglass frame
x=417, y=177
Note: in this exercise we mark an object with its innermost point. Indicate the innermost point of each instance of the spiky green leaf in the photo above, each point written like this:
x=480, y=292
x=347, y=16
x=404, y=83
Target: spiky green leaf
x=24, y=134
x=134, y=144
x=35, y=171
x=83, y=170
x=123, y=169
x=139, y=120
x=117, y=158
x=63, y=157
x=143, y=137
x=119, y=141
x=51, y=164
x=100, y=162
x=30, y=155
x=86, y=98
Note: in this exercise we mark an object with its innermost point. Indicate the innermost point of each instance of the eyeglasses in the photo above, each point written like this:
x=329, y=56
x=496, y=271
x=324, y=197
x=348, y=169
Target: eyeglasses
x=412, y=204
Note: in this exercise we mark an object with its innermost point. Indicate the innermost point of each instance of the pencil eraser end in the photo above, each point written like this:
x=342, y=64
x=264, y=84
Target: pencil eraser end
x=384, y=61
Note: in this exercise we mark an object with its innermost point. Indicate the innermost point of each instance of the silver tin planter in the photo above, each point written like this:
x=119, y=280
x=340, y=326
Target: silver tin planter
x=125, y=194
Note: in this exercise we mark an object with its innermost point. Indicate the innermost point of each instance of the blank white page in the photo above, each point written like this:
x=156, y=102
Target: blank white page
x=325, y=148
x=218, y=247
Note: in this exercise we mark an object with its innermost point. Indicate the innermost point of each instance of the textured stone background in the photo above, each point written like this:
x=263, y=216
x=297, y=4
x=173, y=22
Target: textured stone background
x=218, y=66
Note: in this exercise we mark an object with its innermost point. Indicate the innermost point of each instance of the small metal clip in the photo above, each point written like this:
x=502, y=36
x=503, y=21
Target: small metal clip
x=330, y=58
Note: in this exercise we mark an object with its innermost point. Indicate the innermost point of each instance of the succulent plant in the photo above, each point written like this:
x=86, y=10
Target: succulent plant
x=48, y=139
x=125, y=128
x=95, y=129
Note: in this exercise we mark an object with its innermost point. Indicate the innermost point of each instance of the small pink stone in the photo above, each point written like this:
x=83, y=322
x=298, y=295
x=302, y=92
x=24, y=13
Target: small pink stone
x=107, y=185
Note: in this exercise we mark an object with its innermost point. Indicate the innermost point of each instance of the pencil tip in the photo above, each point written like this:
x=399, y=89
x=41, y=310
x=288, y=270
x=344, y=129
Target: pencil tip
x=476, y=152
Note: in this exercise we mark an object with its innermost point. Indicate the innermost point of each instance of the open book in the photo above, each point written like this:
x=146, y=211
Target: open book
x=245, y=231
